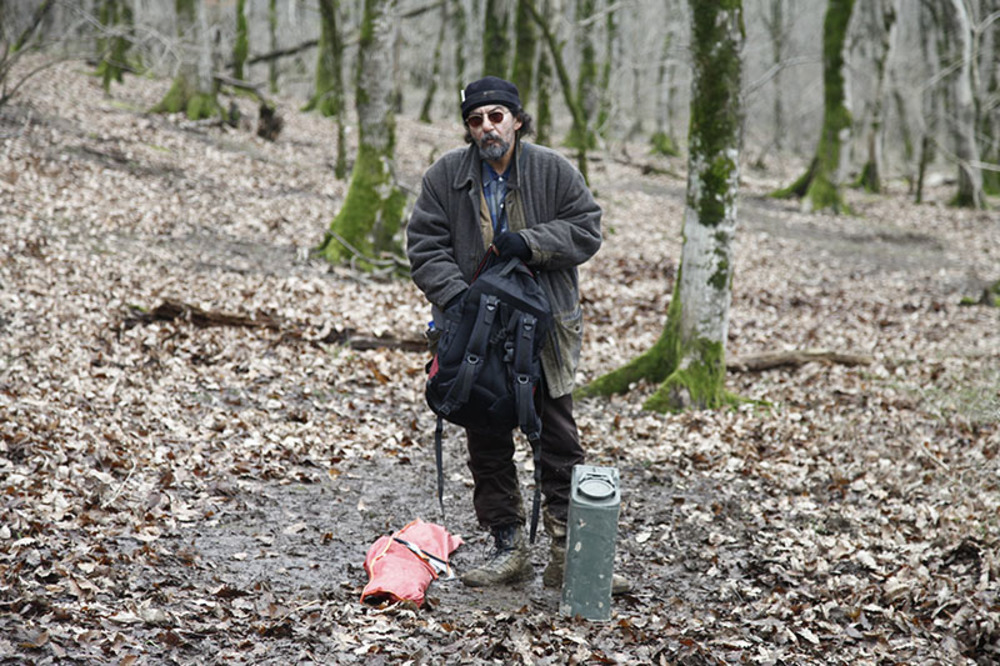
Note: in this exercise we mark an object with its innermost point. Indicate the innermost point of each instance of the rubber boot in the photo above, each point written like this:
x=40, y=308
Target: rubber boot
x=508, y=561
x=556, y=568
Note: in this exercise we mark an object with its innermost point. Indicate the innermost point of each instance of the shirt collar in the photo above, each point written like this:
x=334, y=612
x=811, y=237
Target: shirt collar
x=490, y=176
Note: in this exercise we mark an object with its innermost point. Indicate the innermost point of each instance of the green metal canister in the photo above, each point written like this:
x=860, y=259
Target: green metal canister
x=592, y=527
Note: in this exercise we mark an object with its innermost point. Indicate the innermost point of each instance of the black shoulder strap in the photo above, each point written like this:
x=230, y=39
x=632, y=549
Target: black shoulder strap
x=524, y=398
x=475, y=351
x=524, y=401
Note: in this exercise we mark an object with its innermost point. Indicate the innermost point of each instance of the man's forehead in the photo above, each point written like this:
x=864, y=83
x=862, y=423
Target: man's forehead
x=483, y=110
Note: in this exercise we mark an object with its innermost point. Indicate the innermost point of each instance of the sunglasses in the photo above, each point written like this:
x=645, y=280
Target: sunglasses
x=495, y=117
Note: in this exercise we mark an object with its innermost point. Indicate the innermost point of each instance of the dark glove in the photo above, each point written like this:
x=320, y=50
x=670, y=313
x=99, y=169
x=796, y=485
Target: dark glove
x=511, y=244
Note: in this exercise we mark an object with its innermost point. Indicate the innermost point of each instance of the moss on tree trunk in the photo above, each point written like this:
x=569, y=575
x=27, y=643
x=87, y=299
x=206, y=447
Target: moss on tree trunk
x=114, y=51
x=193, y=90
x=820, y=186
x=572, y=102
x=688, y=360
x=371, y=216
x=525, y=49
x=368, y=224
x=183, y=97
x=496, y=43
x=241, y=47
x=328, y=89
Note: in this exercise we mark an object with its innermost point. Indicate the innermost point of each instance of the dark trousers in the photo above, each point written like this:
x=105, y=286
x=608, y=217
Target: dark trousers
x=497, y=492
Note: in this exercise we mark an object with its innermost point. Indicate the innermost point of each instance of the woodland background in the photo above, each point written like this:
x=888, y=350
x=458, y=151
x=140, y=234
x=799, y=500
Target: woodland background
x=203, y=425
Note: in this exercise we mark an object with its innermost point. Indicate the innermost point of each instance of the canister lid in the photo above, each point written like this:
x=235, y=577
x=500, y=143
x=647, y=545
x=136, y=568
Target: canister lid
x=596, y=487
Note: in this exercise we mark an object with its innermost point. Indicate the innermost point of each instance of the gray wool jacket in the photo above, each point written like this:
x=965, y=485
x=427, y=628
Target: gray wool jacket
x=548, y=203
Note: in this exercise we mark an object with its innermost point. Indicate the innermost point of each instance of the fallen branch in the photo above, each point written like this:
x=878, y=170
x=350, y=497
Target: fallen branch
x=169, y=310
x=173, y=310
x=794, y=358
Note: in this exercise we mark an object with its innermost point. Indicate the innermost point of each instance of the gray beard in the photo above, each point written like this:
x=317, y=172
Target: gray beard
x=492, y=151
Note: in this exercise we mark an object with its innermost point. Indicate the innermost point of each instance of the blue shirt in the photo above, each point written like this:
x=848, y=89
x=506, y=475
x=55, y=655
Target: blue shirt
x=495, y=191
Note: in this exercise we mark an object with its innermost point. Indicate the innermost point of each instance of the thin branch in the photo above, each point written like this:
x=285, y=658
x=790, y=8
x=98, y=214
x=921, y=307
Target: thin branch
x=413, y=13
x=766, y=77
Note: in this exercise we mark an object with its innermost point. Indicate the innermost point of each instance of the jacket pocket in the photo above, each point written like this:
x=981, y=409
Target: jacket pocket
x=560, y=363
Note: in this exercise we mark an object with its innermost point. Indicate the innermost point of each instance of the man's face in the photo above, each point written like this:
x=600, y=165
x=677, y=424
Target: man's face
x=493, y=128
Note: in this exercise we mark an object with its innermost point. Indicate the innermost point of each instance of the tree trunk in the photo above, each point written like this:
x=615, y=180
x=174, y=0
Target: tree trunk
x=775, y=22
x=689, y=357
x=957, y=37
x=664, y=141
x=612, y=56
x=988, y=92
x=459, y=26
x=880, y=27
x=581, y=136
x=496, y=40
x=525, y=50
x=821, y=186
x=328, y=94
x=368, y=225
x=241, y=46
x=432, y=85
x=115, y=41
x=572, y=103
x=272, y=30
x=543, y=118
x=193, y=91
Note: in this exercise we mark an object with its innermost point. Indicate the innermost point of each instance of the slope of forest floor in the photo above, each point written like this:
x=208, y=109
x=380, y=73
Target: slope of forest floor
x=173, y=492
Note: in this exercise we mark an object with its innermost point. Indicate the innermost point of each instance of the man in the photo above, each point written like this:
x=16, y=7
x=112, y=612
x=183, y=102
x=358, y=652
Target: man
x=531, y=203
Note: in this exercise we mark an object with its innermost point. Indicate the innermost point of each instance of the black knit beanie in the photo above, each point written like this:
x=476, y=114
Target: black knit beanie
x=490, y=90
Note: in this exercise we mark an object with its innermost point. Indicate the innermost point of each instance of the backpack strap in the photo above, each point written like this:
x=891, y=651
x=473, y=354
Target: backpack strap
x=524, y=395
x=524, y=401
x=475, y=353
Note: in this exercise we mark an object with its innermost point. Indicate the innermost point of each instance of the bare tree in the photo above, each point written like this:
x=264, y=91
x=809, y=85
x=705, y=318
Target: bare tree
x=496, y=38
x=778, y=29
x=114, y=41
x=956, y=39
x=525, y=51
x=241, y=47
x=328, y=92
x=14, y=40
x=821, y=186
x=572, y=101
x=543, y=116
x=366, y=230
x=193, y=91
x=875, y=38
x=689, y=358
x=663, y=140
x=435, y=75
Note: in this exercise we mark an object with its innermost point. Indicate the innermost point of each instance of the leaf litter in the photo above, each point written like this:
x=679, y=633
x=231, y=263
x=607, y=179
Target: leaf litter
x=176, y=493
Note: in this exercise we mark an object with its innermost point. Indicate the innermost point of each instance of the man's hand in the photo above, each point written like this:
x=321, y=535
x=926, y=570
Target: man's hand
x=511, y=244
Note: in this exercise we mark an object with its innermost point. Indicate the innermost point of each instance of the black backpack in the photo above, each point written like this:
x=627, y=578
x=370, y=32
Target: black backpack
x=487, y=370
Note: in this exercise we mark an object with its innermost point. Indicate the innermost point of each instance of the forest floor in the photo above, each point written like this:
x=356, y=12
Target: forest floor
x=178, y=493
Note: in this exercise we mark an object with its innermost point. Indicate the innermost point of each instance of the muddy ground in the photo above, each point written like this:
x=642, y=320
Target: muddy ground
x=178, y=493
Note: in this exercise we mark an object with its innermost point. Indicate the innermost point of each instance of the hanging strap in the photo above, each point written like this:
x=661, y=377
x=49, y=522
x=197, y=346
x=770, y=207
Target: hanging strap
x=475, y=353
x=524, y=394
x=439, y=459
x=536, y=500
x=524, y=402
